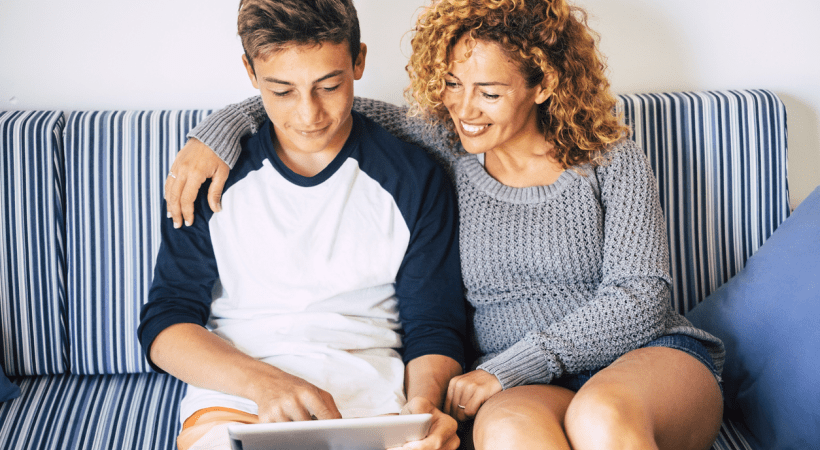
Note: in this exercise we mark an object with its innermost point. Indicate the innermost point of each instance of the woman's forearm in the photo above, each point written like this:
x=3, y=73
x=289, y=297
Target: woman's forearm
x=223, y=130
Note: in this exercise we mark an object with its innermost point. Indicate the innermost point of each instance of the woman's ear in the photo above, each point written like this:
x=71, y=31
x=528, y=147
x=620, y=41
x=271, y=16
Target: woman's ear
x=546, y=88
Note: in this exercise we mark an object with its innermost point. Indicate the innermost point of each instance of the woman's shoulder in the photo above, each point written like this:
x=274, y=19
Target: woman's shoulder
x=624, y=156
x=626, y=172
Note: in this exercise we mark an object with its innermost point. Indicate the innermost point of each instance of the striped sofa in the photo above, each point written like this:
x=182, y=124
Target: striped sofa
x=79, y=215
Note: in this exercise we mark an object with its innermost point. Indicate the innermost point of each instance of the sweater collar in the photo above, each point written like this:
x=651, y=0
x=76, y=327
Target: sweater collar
x=472, y=166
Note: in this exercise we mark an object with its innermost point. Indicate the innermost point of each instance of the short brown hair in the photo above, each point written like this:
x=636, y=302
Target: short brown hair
x=542, y=37
x=267, y=26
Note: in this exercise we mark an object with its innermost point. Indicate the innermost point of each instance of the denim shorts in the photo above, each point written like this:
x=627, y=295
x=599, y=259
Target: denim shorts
x=681, y=342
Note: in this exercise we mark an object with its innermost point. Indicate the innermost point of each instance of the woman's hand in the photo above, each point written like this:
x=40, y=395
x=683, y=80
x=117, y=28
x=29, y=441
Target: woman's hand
x=466, y=393
x=442, y=434
x=195, y=163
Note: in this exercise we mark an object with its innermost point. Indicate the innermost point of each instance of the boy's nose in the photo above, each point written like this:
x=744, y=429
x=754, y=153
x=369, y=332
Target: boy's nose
x=310, y=110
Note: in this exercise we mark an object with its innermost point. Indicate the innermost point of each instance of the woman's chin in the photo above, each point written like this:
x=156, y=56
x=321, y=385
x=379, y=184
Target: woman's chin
x=472, y=149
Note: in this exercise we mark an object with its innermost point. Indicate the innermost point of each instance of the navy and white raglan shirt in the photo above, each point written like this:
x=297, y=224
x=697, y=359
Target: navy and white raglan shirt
x=339, y=278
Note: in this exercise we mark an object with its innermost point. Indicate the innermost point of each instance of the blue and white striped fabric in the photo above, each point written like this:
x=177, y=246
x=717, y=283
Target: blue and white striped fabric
x=32, y=256
x=111, y=412
x=116, y=168
x=732, y=437
x=720, y=159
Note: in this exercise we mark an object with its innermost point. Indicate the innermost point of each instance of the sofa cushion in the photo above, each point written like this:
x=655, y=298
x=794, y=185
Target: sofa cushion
x=32, y=256
x=123, y=412
x=720, y=161
x=767, y=318
x=117, y=162
x=8, y=390
x=733, y=435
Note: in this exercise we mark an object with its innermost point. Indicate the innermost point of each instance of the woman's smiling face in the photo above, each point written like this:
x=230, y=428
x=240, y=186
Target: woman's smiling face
x=489, y=100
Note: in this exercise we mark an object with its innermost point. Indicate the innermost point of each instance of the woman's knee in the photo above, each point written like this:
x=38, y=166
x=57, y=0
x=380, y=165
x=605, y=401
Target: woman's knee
x=523, y=417
x=649, y=398
x=612, y=419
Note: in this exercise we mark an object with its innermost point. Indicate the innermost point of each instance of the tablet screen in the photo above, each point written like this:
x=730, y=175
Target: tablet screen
x=369, y=433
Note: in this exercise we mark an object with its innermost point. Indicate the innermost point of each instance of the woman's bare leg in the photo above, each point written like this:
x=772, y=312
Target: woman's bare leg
x=524, y=417
x=650, y=398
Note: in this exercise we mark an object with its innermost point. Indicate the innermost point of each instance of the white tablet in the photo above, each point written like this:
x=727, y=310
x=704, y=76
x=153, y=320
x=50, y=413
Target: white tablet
x=370, y=433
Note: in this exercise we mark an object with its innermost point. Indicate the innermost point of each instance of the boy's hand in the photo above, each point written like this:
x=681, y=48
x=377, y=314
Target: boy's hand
x=442, y=434
x=287, y=398
x=199, y=357
x=195, y=163
x=466, y=393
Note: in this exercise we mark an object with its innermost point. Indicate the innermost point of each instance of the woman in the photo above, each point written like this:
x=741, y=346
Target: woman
x=563, y=248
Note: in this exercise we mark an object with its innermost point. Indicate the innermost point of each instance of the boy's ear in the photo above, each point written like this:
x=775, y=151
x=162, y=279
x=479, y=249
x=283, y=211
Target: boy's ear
x=358, y=65
x=251, y=73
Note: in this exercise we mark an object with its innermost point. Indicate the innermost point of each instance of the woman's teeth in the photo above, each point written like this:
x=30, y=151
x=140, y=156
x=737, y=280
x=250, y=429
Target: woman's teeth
x=472, y=129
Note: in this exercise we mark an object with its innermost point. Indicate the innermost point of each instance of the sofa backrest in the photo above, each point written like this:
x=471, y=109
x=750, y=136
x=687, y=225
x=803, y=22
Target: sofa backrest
x=32, y=243
x=721, y=163
x=80, y=232
x=116, y=166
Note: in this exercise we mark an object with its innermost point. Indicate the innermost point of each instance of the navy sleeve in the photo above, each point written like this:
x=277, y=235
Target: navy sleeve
x=184, y=275
x=428, y=284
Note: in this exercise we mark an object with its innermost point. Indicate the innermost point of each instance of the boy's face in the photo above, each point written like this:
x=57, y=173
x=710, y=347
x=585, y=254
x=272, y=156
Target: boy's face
x=308, y=94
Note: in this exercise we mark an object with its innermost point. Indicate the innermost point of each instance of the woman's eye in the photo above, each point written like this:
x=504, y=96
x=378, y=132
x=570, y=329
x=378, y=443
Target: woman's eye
x=490, y=96
x=451, y=85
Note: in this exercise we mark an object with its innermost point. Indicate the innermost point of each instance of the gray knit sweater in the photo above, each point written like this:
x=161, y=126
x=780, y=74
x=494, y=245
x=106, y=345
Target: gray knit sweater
x=563, y=278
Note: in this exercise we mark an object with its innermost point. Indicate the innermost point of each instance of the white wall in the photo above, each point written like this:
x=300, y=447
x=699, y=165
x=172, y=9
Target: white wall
x=674, y=45
x=149, y=54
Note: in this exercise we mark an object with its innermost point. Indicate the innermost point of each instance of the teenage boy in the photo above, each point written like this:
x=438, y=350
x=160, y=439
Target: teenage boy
x=329, y=282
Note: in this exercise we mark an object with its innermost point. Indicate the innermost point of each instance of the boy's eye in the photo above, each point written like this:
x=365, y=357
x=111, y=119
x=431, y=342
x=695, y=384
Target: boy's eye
x=331, y=88
x=281, y=94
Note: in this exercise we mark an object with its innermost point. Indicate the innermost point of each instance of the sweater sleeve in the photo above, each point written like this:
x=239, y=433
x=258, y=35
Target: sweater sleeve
x=435, y=139
x=223, y=130
x=631, y=304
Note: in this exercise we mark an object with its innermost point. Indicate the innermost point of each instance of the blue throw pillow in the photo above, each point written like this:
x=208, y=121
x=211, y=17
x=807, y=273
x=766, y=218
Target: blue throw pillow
x=8, y=390
x=768, y=316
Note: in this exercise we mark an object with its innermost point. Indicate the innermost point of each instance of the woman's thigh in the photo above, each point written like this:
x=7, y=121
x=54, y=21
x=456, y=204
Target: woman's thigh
x=528, y=417
x=652, y=397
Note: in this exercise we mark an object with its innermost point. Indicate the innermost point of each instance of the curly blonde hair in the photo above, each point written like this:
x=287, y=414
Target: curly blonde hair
x=542, y=37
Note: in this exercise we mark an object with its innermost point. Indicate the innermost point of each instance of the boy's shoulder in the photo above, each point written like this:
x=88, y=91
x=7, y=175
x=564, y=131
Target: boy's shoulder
x=404, y=170
x=378, y=143
x=256, y=147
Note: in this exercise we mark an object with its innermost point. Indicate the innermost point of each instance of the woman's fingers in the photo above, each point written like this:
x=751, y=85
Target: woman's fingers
x=194, y=164
x=466, y=393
